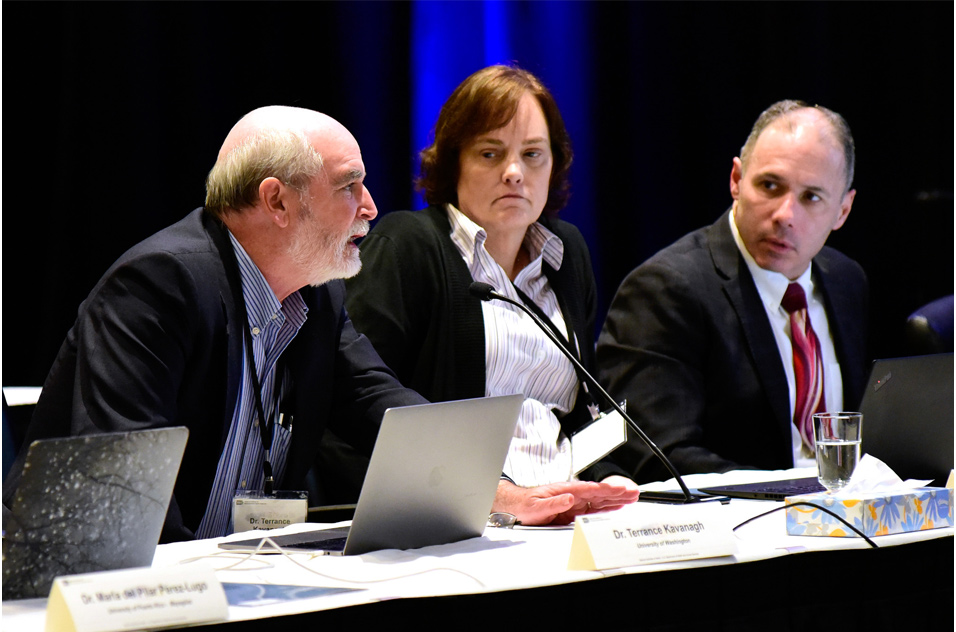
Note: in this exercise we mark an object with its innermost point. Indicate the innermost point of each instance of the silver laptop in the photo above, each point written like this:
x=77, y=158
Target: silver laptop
x=88, y=504
x=431, y=480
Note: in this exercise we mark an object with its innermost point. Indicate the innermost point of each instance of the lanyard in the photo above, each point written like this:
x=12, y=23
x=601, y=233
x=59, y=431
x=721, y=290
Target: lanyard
x=265, y=426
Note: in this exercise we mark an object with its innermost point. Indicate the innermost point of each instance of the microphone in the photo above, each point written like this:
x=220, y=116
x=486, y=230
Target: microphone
x=486, y=292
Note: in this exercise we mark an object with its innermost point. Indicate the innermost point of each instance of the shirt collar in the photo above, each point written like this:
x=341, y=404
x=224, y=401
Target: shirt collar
x=468, y=237
x=770, y=285
x=262, y=305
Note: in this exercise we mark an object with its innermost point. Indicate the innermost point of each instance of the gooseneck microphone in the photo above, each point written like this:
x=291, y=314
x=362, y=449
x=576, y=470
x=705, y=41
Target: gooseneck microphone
x=486, y=292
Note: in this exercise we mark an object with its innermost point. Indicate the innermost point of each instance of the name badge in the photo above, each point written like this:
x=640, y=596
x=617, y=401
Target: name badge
x=596, y=440
x=257, y=510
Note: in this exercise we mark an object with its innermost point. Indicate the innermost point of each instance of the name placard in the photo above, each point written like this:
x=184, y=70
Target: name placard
x=117, y=601
x=650, y=534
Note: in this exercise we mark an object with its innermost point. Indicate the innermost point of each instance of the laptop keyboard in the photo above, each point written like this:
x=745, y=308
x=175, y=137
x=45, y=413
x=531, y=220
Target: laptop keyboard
x=779, y=493
x=771, y=490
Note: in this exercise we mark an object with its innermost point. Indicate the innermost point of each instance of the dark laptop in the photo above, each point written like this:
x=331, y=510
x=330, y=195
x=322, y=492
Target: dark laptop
x=431, y=480
x=907, y=423
x=908, y=416
x=88, y=504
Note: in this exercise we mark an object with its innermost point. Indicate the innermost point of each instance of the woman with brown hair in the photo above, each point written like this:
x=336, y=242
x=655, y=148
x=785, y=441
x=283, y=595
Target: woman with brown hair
x=495, y=178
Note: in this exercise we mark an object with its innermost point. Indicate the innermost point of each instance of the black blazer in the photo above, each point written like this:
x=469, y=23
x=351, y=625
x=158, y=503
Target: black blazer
x=688, y=343
x=158, y=342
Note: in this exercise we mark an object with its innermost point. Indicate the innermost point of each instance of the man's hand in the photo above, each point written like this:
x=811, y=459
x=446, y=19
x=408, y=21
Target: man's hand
x=559, y=503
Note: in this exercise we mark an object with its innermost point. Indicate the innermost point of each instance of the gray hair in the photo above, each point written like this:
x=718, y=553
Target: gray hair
x=233, y=182
x=783, y=108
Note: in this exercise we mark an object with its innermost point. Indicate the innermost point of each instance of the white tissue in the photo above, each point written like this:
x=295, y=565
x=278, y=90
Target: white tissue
x=873, y=475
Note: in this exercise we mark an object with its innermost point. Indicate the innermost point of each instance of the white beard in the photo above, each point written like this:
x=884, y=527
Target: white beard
x=323, y=255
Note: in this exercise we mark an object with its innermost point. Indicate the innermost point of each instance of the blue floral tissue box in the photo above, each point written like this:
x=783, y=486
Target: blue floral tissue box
x=878, y=513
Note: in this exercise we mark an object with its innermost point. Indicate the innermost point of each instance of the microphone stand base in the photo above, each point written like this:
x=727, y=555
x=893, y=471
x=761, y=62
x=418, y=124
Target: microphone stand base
x=678, y=497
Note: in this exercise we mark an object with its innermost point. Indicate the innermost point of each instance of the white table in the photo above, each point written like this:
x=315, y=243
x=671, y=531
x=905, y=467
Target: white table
x=503, y=563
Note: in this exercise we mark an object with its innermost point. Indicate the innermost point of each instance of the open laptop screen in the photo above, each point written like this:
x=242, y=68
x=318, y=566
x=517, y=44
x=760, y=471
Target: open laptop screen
x=88, y=504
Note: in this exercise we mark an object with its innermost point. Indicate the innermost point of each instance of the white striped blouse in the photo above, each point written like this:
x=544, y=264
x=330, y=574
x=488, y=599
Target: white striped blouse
x=519, y=357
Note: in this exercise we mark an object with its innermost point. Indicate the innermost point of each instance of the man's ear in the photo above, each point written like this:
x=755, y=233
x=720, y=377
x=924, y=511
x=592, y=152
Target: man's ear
x=274, y=197
x=845, y=205
x=736, y=173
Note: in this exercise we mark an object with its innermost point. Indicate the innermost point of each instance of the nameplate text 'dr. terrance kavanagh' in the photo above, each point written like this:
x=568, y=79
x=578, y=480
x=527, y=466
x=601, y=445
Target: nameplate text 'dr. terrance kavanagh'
x=650, y=534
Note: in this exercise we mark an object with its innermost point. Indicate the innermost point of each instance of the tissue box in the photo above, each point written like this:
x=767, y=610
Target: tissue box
x=879, y=513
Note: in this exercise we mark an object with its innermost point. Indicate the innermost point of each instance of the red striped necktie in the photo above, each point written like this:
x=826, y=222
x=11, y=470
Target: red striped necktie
x=807, y=363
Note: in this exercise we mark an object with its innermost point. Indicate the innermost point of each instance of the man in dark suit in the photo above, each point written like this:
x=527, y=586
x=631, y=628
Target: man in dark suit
x=160, y=339
x=696, y=338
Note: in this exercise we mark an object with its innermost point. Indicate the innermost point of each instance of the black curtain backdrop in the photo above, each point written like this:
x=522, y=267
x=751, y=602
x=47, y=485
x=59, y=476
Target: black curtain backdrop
x=113, y=113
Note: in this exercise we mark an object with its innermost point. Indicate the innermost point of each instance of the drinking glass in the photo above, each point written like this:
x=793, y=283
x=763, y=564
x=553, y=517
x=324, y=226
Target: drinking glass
x=837, y=440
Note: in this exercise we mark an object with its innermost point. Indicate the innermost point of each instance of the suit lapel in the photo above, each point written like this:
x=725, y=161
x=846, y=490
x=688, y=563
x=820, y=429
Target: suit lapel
x=741, y=292
x=837, y=301
x=230, y=293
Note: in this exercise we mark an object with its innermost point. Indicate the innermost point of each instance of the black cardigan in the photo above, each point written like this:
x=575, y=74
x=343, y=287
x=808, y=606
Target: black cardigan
x=412, y=301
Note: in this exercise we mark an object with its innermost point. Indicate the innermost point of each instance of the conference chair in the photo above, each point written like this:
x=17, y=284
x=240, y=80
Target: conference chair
x=930, y=328
x=18, y=405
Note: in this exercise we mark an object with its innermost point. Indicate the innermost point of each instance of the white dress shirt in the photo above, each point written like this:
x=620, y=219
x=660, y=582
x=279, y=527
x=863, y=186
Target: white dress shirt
x=771, y=287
